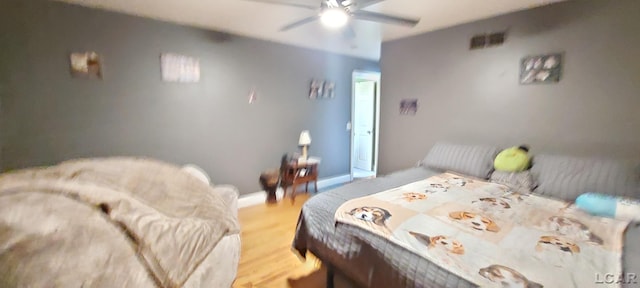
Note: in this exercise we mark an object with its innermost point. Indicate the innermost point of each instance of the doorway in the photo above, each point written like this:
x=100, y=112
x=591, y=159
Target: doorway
x=365, y=115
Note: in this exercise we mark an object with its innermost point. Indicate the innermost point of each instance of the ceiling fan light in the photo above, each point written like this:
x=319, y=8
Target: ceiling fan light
x=334, y=18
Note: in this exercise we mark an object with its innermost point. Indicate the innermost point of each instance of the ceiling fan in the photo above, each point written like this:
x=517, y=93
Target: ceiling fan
x=337, y=13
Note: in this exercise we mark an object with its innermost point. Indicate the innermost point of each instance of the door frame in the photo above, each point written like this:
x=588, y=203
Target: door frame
x=372, y=76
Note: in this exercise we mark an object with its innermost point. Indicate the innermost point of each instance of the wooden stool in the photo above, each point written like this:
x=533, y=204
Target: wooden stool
x=269, y=182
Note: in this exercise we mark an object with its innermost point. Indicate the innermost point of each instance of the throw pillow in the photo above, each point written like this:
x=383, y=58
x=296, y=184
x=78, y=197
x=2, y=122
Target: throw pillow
x=609, y=206
x=521, y=182
x=514, y=159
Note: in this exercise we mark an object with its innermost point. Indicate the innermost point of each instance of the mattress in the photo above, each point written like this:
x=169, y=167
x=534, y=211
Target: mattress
x=370, y=260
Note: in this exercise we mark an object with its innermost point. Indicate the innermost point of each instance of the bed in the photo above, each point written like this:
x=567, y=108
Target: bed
x=116, y=222
x=369, y=260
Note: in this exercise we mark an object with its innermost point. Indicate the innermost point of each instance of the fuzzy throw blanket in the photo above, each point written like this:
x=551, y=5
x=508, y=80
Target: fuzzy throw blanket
x=112, y=222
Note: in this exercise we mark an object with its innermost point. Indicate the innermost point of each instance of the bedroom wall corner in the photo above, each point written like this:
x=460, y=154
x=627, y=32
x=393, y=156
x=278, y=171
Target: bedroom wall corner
x=48, y=116
x=474, y=96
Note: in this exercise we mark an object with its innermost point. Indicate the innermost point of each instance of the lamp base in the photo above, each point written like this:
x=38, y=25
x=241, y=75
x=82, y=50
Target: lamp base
x=304, y=152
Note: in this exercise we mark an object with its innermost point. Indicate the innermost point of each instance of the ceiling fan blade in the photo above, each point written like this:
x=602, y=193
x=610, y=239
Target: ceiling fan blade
x=377, y=17
x=361, y=4
x=287, y=3
x=300, y=23
x=348, y=32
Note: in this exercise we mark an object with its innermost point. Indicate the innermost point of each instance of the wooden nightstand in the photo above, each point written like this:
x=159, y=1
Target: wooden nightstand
x=294, y=174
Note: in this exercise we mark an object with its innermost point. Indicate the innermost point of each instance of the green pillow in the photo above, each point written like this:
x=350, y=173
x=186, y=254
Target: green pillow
x=512, y=159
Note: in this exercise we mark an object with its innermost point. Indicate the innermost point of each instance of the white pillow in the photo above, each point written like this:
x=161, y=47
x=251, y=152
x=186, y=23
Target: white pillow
x=197, y=172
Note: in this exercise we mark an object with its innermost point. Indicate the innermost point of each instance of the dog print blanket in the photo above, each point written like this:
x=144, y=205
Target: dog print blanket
x=492, y=236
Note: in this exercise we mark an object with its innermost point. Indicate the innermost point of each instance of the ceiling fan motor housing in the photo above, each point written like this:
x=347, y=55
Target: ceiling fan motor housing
x=352, y=9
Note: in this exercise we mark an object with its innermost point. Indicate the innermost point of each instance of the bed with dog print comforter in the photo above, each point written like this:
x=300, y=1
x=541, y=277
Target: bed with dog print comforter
x=491, y=236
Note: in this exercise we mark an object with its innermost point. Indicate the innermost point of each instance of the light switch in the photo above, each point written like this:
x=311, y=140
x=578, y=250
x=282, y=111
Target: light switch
x=349, y=126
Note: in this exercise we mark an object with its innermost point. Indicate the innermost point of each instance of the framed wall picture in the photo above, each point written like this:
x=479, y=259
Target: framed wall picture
x=179, y=68
x=408, y=106
x=86, y=65
x=317, y=89
x=321, y=89
x=329, y=89
x=541, y=69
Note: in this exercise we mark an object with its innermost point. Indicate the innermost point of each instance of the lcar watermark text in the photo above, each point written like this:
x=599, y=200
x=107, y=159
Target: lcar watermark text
x=611, y=278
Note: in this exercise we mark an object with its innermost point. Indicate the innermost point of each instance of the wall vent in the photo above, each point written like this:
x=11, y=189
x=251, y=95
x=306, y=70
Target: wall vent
x=496, y=39
x=478, y=42
x=487, y=40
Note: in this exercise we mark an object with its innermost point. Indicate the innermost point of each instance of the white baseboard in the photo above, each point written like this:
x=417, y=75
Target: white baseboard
x=256, y=198
x=260, y=196
x=327, y=182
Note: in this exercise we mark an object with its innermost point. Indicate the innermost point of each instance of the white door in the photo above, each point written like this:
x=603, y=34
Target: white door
x=364, y=123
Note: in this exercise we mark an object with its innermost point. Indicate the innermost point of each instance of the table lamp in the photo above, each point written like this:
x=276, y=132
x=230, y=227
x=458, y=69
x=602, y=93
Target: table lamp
x=305, y=140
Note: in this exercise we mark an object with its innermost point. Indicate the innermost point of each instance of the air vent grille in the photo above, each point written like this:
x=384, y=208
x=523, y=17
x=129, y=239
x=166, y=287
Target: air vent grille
x=487, y=40
x=478, y=42
x=496, y=39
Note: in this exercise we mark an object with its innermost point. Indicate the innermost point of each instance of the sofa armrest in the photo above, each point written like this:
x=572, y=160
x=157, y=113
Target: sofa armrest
x=230, y=195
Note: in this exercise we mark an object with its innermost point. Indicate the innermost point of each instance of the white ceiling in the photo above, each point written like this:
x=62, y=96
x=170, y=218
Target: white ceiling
x=260, y=20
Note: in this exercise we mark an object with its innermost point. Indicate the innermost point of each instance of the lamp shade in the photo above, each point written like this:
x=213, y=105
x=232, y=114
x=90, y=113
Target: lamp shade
x=305, y=138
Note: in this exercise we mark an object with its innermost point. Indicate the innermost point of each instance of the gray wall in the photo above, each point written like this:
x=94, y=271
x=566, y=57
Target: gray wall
x=48, y=116
x=475, y=97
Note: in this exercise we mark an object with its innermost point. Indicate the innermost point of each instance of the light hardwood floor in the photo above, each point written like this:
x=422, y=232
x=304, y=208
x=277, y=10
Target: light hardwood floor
x=267, y=259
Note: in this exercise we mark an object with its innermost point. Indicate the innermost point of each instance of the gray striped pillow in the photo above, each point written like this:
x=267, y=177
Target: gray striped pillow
x=521, y=182
x=567, y=177
x=472, y=160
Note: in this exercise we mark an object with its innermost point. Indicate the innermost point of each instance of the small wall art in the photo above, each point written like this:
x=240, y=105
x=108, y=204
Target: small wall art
x=408, y=106
x=86, y=65
x=329, y=89
x=179, y=68
x=253, y=96
x=541, y=69
x=317, y=89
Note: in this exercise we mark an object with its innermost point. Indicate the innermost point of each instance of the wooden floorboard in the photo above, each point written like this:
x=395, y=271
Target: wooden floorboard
x=267, y=259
